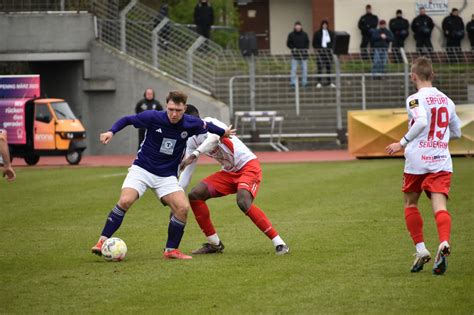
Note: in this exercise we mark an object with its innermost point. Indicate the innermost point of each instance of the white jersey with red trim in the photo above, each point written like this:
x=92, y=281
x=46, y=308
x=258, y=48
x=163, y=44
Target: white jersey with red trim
x=428, y=152
x=231, y=153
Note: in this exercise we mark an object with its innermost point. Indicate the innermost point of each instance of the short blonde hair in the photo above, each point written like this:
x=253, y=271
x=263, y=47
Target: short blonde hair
x=423, y=68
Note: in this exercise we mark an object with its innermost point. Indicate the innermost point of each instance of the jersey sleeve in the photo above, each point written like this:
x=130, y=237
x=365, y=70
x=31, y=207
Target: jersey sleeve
x=186, y=175
x=454, y=126
x=419, y=121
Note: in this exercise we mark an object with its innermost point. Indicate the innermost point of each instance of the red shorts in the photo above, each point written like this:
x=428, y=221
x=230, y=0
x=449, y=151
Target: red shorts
x=430, y=183
x=226, y=183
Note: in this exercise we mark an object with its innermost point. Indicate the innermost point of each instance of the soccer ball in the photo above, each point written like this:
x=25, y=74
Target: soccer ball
x=114, y=249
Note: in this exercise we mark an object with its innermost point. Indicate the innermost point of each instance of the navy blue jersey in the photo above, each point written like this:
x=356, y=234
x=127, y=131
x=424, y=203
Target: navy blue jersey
x=165, y=143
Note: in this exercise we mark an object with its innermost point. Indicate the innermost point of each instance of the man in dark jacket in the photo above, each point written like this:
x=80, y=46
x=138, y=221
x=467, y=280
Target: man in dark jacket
x=381, y=39
x=298, y=43
x=204, y=18
x=453, y=29
x=422, y=26
x=470, y=31
x=147, y=103
x=399, y=27
x=367, y=23
x=323, y=41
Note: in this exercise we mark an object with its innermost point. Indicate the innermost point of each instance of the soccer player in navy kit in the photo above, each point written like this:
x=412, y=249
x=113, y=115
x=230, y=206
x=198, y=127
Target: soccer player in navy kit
x=156, y=166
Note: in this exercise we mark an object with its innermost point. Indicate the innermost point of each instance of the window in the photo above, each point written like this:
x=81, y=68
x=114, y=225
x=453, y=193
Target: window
x=42, y=113
x=63, y=111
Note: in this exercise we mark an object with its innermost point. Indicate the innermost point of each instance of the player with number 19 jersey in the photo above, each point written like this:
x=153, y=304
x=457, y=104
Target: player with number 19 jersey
x=428, y=152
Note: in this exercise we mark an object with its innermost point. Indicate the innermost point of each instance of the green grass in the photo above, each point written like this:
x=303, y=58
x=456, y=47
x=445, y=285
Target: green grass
x=350, y=252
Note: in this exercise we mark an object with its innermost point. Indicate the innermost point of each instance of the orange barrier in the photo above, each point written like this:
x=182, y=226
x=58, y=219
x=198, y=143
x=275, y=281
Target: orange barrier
x=371, y=131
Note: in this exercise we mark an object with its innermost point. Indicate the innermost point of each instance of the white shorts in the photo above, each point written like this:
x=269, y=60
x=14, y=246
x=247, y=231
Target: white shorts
x=140, y=179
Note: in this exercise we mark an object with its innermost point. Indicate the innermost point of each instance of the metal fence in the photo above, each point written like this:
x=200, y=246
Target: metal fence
x=263, y=82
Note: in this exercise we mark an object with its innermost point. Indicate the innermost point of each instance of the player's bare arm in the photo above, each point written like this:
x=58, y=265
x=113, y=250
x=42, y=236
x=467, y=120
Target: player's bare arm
x=8, y=171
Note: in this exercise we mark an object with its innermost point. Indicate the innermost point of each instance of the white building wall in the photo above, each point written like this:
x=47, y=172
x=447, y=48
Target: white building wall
x=283, y=15
x=348, y=12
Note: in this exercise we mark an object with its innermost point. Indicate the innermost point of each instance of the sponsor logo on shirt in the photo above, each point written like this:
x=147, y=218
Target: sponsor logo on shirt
x=167, y=146
x=434, y=158
x=433, y=144
x=414, y=103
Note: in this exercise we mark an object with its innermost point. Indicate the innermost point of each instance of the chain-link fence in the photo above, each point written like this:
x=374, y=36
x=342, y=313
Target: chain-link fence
x=44, y=5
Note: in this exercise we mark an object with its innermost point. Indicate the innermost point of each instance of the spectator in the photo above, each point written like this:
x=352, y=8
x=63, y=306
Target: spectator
x=381, y=39
x=367, y=23
x=322, y=42
x=422, y=26
x=470, y=31
x=399, y=27
x=453, y=29
x=5, y=162
x=203, y=18
x=298, y=43
x=147, y=103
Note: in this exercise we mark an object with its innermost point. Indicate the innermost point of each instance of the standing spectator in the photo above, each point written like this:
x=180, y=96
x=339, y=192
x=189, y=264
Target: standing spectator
x=381, y=39
x=322, y=42
x=422, y=26
x=203, y=18
x=298, y=43
x=399, y=27
x=470, y=31
x=367, y=24
x=147, y=103
x=453, y=29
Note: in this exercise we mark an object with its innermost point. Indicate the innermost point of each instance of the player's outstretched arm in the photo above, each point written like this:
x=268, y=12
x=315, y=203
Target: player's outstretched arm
x=209, y=144
x=226, y=133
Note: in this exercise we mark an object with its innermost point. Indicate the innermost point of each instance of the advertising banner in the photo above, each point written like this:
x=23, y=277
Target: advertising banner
x=19, y=86
x=12, y=119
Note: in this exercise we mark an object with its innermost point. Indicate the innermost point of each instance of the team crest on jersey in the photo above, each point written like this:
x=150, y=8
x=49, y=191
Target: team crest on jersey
x=184, y=134
x=414, y=103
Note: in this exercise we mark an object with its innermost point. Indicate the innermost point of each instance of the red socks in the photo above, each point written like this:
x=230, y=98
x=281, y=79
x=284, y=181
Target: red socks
x=203, y=217
x=414, y=223
x=261, y=221
x=443, y=222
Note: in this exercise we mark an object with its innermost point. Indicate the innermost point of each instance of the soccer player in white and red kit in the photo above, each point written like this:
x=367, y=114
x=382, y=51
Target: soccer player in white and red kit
x=428, y=166
x=240, y=174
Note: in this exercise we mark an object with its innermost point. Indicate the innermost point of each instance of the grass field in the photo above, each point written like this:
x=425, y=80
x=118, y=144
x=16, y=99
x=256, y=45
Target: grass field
x=350, y=252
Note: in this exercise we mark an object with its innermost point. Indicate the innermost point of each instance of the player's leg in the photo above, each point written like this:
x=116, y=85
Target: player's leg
x=179, y=205
x=414, y=223
x=437, y=186
x=258, y=217
x=443, y=223
x=127, y=197
x=197, y=200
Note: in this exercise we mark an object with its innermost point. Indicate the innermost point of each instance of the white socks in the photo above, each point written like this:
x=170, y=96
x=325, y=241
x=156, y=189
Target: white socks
x=277, y=241
x=214, y=239
x=420, y=247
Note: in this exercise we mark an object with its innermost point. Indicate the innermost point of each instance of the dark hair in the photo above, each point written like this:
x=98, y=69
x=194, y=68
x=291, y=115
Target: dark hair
x=177, y=97
x=454, y=10
x=153, y=91
x=399, y=11
x=297, y=23
x=191, y=110
x=368, y=6
x=324, y=22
